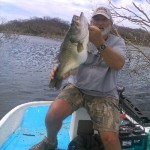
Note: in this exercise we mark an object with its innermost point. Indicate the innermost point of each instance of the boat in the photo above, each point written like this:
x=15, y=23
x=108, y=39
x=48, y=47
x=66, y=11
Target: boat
x=24, y=126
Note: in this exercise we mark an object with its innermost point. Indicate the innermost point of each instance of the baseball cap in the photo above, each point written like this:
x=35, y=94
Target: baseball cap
x=102, y=11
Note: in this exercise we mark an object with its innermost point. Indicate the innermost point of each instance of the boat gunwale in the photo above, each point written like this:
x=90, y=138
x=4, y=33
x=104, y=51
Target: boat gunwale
x=15, y=116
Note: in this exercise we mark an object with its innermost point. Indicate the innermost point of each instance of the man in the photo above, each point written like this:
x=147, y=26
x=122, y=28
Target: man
x=93, y=87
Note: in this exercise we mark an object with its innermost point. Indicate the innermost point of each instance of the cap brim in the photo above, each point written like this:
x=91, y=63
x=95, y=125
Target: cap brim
x=103, y=14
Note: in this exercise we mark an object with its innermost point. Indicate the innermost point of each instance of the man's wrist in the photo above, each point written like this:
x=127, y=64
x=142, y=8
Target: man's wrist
x=101, y=47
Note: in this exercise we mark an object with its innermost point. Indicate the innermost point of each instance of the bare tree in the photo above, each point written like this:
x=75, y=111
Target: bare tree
x=6, y=34
x=138, y=16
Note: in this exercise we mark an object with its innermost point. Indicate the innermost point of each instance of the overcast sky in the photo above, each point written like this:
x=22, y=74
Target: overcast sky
x=63, y=9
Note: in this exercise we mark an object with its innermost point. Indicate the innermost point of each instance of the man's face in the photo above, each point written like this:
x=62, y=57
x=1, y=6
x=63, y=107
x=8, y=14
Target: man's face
x=102, y=23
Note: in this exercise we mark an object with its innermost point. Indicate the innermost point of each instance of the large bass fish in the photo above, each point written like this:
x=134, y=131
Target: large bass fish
x=73, y=50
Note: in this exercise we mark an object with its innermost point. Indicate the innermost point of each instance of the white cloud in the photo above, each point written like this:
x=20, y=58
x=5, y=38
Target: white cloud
x=63, y=9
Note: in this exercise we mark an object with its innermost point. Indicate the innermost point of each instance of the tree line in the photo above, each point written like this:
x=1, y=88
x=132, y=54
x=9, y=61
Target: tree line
x=45, y=26
x=55, y=27
x=136, y=36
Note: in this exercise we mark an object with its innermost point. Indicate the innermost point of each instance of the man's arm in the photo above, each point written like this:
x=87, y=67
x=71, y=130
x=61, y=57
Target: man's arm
x=113, y=58
x=110, y=56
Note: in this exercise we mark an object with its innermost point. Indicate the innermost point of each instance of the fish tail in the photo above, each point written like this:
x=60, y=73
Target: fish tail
x=55, y=83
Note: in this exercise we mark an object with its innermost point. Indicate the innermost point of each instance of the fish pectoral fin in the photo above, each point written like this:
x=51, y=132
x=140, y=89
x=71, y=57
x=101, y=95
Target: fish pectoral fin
x=80, y=47
x=74, y=71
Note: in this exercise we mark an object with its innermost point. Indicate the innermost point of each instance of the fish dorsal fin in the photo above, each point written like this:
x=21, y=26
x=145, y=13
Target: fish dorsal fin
x=80, y=47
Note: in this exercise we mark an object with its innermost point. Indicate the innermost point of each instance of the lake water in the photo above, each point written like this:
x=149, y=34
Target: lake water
x=24, y=74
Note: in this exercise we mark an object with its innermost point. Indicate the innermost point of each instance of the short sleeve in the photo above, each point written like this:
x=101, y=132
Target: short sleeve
x=117, y=44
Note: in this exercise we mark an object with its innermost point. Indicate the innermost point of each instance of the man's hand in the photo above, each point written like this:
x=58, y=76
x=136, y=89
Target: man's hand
x=53, y=71
x=66, y=75
x=95, y=36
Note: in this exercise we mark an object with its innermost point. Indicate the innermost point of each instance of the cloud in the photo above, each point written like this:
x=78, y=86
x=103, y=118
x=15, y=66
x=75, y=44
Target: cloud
x=63, y=9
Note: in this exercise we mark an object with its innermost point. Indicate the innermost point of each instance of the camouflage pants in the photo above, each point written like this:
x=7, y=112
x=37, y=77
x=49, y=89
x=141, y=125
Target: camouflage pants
x=103, y=111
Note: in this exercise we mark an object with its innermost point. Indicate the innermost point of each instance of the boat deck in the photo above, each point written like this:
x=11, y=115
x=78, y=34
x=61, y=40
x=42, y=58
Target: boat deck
x=32, y=130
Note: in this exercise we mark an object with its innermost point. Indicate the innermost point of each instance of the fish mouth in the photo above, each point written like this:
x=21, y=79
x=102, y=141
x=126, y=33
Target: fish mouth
x=75, y=19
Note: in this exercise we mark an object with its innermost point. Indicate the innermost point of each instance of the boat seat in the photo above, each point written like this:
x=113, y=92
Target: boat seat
x=80, y=114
